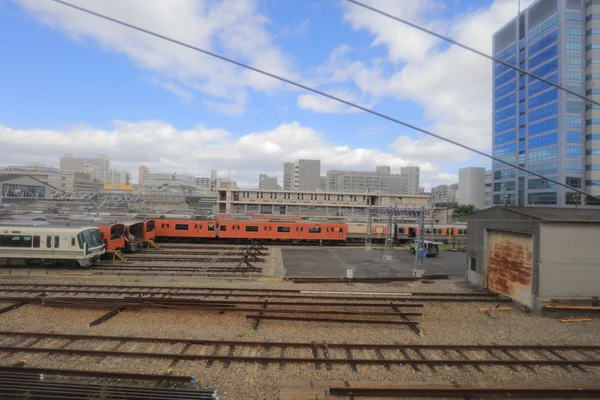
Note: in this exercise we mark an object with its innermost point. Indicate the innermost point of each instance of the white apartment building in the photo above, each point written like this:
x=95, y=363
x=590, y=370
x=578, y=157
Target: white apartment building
x=379, y=181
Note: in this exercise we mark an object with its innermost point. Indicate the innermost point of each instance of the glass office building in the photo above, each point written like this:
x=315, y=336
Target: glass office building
x=539, y=126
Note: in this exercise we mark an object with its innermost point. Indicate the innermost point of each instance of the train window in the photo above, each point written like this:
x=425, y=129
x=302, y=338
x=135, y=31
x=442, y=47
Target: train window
x=222, y=228
x=4, y=241
x=465, y=231
x=283, y=229
x=314, y=229
x=211, y=227
x=48, y=241
x=15, y=241
x=251, y=228
x=36, y=241
x=72, y=242
x=27, y=240
x=56, y=242
x=182, y=227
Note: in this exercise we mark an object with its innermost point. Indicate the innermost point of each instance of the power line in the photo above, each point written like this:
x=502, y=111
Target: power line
x=471, y=49
x=319, y=92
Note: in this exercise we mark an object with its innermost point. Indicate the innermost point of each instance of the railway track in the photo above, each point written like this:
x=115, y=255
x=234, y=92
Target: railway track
x=206, y=293
x=221, y=259
x=175, y=268
x=191, y=252
x=480, y=358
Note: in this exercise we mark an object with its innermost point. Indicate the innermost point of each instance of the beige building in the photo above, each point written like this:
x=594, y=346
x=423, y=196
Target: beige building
x=233, y=200
x=81, y=164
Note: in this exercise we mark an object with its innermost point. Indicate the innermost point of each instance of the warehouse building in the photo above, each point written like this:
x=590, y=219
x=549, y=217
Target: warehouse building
x=535, y=253
x=21, y=189
x=234, y=200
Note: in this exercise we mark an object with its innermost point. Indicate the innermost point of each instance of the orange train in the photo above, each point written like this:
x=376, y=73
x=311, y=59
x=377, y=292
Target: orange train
x=295, y=230
x=242, y=230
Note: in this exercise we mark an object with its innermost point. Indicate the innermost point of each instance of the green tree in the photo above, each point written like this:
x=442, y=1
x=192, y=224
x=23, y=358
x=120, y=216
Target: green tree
x=460, y=212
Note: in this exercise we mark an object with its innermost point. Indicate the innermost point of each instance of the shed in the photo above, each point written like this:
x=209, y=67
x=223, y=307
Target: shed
x=534, y=253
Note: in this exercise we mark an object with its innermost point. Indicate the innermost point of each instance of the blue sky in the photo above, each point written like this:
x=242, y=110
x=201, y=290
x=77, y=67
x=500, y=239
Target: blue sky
x=68, y=77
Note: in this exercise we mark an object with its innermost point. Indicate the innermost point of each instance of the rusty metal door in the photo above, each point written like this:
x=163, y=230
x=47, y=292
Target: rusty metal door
x=509, y=265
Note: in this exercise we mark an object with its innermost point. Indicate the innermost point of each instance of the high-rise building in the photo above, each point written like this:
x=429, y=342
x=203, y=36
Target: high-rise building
x=379, y=181
x=80, y=164
x=266, y=182
x=288, y=176
x=142, y=170
x=488, y=189
x=537, y=126
x=471, y=187
x=302, y=175
x=213, y=180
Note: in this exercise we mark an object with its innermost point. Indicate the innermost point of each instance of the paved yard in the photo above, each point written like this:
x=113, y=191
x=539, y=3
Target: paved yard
x=335, y=262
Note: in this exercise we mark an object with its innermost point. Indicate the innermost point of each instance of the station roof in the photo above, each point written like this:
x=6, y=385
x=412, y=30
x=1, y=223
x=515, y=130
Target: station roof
x=10, y=177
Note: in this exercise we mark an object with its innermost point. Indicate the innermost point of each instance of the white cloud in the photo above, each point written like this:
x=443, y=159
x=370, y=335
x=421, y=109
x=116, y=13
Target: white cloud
x=453, y=85
x=403, y=43
x=162, y=147
x=232, y=27
x=323, y=104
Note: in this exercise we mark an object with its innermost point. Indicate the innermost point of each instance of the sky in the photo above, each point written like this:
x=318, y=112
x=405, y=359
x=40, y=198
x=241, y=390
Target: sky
x=74, y=83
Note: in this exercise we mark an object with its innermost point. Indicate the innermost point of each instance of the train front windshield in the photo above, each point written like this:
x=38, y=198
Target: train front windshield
x=137, y=230
x=91, y=237
x=150, y=226
x=117, y=231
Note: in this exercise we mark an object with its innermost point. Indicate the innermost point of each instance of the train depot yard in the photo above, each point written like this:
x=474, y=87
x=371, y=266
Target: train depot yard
x=250, y=319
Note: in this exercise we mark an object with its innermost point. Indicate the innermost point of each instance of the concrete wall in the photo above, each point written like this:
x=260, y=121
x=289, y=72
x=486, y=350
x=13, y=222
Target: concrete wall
x=569, y=260
x=471, y=187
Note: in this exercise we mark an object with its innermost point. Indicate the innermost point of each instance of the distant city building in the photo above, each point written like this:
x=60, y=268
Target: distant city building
x=112, y=176
x=488, y=188
x=81, y=164
x=142, y=170
x=266, y=182
x=234, y=200
x=213, y=179
x=302, y=175
x=323, y=186
x=204, y=183
x=444, y=193
x=471, y=187
x=380, y=181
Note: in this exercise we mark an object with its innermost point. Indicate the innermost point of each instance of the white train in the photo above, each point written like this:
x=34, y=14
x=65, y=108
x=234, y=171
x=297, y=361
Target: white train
x=40, y=243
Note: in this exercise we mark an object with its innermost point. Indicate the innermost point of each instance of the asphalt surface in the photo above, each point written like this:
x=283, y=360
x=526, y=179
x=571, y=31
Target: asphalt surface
x=335, y=262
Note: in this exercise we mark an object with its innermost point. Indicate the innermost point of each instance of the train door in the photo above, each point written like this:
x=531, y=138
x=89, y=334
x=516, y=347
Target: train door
x=412, y=232
x=53, y=244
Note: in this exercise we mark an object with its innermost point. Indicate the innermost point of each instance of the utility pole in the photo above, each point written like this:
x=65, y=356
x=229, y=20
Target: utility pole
x=419, y=267
x=369, y=223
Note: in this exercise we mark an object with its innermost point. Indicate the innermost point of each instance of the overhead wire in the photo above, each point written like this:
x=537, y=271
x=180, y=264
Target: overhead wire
x=319, y=92
x=473, y=50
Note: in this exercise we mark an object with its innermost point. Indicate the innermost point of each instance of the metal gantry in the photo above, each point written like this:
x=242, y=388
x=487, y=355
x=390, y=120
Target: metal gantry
x=392, y=213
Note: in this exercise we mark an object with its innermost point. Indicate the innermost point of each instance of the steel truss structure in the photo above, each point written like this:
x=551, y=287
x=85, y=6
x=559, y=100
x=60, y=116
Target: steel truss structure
x=394, y=213
x=115, y=199
x=18, y=194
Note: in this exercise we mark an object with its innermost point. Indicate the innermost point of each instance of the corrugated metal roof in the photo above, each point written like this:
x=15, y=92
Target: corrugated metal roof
x=9, y=177
x=554, y=214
